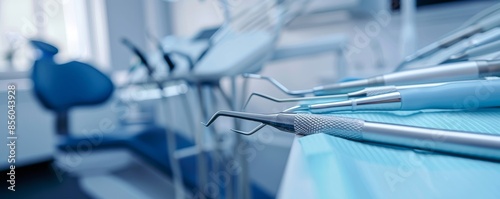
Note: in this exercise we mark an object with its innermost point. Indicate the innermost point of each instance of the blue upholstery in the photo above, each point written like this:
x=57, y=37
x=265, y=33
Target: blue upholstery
x=62, y=86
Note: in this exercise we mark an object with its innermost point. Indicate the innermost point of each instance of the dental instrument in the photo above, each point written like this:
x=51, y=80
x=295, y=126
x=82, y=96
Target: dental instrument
x=366, y=92
x=478, y=51
x=468, y=144
x=484, y=38
x=447, y=55
x=466, y=32
x=277, y=84
x=460, y=95
x=469, y=70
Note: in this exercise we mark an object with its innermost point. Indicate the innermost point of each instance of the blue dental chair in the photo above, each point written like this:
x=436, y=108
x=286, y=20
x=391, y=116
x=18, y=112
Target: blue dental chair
x=60, y=87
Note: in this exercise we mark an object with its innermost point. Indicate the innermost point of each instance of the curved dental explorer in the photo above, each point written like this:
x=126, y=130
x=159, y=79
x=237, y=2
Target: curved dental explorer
x=301, y=100
x=457, y=71
x=474, y=145
x=370, y=91
x=278, y=84
x=262, y=125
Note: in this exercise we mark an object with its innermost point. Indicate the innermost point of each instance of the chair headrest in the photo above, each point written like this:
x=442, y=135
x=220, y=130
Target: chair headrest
x=62, y=86
x=45, y=48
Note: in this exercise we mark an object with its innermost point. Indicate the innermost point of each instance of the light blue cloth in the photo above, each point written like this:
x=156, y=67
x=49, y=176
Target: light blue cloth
x=348, y=169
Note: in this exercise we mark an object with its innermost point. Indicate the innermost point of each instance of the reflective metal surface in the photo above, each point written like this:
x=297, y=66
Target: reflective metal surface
x=346, y=87
x=475, y=145
x=388, y=101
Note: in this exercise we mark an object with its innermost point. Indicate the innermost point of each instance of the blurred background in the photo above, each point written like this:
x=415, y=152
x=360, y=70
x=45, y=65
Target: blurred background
x=133, y=141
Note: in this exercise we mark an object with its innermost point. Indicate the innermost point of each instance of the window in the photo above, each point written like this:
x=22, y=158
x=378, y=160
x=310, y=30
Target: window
x=74, y=26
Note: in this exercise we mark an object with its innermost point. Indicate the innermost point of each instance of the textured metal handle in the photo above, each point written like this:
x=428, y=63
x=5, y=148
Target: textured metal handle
x=349, y=128
x=475, y=145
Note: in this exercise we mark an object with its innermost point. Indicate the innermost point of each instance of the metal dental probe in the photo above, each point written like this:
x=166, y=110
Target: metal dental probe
x=371, y=91
x=474, y=145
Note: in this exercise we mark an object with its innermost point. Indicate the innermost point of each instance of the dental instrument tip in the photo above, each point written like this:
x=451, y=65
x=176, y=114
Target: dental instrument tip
x=259, y=95
x=234, y=114
x=279, y=85
x=241, y=132
x=249, y=132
